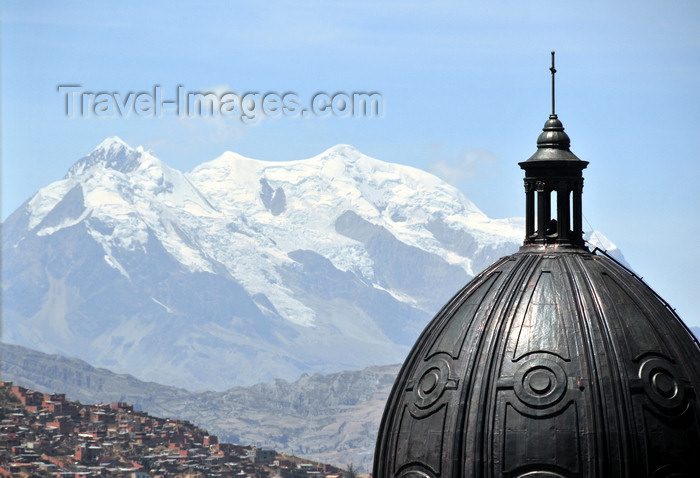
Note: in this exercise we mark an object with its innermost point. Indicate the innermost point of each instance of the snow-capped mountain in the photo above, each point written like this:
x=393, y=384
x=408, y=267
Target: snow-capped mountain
x=241, y=270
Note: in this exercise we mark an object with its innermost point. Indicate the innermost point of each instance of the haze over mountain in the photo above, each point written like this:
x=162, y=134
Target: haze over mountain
x=239, y=271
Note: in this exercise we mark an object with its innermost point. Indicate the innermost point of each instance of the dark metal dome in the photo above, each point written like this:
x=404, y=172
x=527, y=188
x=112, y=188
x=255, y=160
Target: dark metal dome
x=553, y=362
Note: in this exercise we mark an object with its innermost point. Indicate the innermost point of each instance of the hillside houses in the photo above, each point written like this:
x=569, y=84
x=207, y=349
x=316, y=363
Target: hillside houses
x=47, y=435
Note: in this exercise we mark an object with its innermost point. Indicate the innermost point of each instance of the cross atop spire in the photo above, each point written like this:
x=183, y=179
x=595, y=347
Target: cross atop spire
x=553, y=70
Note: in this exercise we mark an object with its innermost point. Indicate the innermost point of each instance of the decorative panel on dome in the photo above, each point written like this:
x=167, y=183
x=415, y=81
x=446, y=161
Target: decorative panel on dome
x=635, y=324
x=426, y=452
x=672, y=445
x=539, y=443
x=451, y=338
x=537, y=422
x=666, y=411
x=543, y=328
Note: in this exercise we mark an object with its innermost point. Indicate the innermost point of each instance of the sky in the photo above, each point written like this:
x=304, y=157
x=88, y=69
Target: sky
x=464, y=88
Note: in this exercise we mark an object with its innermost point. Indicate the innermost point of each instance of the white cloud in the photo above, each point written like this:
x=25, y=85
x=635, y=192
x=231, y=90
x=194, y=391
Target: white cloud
x=465, y=167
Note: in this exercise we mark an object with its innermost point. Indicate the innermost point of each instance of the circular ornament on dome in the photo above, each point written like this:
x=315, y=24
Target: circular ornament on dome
x=539, y=383
x=660, y=382
x=431, y=383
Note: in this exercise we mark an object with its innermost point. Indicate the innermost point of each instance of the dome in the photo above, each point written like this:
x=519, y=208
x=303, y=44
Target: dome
x=554, y=362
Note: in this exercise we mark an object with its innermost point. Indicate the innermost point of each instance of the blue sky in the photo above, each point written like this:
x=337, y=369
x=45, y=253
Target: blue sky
x=465, y=88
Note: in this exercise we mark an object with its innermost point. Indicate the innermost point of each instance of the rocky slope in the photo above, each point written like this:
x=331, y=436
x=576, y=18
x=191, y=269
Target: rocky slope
x=332, y=418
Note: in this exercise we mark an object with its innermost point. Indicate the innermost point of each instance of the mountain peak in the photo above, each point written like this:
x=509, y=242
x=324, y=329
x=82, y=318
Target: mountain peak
x=112, y=153
x=345, y=151
x=111, y=143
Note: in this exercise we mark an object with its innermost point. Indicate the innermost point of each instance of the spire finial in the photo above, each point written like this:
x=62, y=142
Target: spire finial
x=553, y=70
